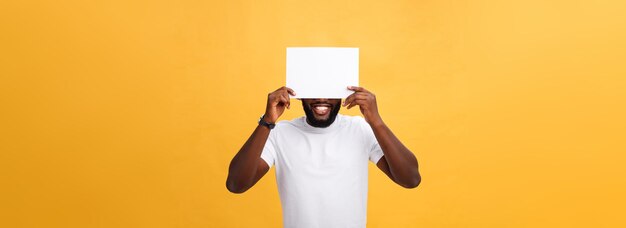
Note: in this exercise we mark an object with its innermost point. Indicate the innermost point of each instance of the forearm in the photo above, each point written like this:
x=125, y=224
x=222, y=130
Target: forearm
x=246, y=168
x=245, y=164
x=402, y=163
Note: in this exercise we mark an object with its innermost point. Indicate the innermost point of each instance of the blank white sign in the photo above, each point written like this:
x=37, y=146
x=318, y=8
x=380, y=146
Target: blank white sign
x=322, y=72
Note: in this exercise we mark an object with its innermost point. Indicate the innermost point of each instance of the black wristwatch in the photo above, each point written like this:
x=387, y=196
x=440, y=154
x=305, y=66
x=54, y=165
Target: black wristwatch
x=268, y=125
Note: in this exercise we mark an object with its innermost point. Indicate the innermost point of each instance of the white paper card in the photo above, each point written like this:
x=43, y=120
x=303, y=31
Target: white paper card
x=322, y=72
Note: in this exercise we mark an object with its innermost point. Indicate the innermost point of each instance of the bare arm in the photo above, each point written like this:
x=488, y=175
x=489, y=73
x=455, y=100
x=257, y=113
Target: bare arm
x=247, y=167
x=398, y=162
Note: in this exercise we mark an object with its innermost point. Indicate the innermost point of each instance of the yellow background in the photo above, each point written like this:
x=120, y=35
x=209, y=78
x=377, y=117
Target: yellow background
x=127, y=113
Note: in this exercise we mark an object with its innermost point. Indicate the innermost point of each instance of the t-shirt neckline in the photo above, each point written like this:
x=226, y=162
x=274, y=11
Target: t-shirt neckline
x=307, y=127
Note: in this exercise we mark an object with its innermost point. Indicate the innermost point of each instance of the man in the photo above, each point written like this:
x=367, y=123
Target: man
x=321, y=160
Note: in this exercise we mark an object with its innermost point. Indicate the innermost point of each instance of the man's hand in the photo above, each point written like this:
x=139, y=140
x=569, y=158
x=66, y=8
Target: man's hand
x=277, y=101
x=367, y=103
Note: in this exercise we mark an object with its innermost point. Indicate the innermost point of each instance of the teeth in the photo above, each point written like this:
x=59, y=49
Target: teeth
x=321, y=108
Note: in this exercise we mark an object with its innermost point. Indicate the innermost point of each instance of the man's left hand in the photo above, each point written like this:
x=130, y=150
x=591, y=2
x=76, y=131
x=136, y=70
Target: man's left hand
x=367, y=103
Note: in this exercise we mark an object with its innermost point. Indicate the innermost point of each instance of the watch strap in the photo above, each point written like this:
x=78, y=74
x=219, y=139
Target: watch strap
x=266, y=124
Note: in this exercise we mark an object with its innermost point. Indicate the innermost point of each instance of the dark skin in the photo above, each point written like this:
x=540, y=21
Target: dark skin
x=398, y=162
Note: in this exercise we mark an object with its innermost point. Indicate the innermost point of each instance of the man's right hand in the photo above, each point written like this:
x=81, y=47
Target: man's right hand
x=277, y=101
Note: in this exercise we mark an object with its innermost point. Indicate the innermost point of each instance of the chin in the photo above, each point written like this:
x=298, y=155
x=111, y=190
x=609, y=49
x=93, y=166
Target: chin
x=315, y=119
x=322, y=119
x=324, y=122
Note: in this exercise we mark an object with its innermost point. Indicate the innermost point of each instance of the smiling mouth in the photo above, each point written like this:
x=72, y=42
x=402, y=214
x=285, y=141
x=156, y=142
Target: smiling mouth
x=321, y=109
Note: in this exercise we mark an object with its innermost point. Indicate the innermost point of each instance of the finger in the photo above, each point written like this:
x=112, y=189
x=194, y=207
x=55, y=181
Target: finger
x=354, y=103
x=285, y=100
x=349, y=99
x=361, y=95
x=286, y=95
x=293, y=93
x=351, y=105
x=274, y=99
x=357, y=89
x=357, y=96
x=359, y=102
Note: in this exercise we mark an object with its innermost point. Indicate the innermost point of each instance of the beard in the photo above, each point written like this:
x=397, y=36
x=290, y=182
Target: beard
x=322, y=123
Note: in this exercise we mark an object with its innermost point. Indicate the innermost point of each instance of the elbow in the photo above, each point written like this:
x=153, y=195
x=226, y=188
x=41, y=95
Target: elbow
x=234, y=187
x=413, y=182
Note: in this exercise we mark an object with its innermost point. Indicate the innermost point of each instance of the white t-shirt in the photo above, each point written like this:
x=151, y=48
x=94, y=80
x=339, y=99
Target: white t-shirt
x=322, y=172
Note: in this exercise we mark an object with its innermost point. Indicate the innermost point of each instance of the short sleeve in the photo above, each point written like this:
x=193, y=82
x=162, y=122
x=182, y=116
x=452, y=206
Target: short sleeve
x=269, y=150
x=374, y=150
